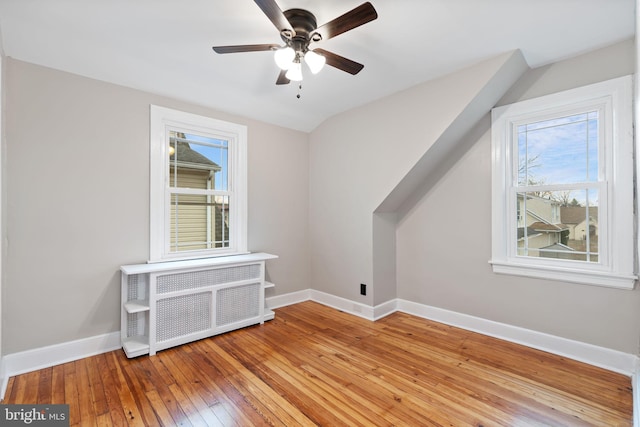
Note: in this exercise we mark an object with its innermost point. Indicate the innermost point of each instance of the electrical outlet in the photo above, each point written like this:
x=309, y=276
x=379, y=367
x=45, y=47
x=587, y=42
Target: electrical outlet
x=363, y=289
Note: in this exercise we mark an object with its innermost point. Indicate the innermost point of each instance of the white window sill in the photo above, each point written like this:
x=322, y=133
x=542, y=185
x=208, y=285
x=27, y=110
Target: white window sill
x=195, y=263
x=596, y=278
x=195, y=255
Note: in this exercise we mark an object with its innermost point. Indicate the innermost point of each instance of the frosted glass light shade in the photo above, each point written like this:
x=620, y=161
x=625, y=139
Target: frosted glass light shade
x=295, y=72
x=314, y=61
x=284, y=57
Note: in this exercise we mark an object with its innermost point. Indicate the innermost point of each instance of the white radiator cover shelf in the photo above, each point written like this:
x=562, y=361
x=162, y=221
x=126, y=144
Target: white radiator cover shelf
x=171, y=303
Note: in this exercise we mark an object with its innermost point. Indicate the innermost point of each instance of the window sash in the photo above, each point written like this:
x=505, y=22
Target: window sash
x=515, y=213
x=604, y=139
x=199, y=223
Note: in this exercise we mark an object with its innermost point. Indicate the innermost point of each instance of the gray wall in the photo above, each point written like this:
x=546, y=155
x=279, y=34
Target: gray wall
x=444, y=243
x=77, y=179
x=3, y=191
x=443, y=240
x=360, y=157
x=77, y=206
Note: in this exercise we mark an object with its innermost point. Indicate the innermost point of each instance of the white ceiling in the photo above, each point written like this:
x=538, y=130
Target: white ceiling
x=164, y=46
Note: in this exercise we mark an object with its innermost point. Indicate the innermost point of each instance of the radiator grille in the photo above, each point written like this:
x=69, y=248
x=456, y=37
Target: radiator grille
x=183, y=315
x=198, y=279
x=237, y=303
x=132, y=284
x=132, y=324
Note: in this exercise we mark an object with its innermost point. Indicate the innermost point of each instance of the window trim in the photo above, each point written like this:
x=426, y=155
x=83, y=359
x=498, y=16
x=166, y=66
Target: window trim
x=617, y=263
x=162, y=119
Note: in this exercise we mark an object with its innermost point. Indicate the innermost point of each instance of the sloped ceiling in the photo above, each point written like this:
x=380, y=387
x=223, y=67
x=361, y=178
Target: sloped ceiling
x=164, y=47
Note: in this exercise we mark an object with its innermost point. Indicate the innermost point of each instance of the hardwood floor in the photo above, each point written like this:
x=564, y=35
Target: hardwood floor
x=313, y=365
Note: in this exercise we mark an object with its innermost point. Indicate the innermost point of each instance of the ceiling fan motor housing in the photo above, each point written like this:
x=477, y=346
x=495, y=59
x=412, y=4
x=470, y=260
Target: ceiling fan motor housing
x=304, y=24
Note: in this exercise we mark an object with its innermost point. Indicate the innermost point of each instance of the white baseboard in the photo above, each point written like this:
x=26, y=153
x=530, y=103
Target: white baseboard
x=45, y=357
x=385, y=309
x=609, y=359
x=624, y=363
x=342, y=304
x=288, y=299
x=602, y=357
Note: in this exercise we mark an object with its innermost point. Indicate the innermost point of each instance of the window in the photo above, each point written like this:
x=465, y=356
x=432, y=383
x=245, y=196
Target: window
x=562, y=203
x=198, y=200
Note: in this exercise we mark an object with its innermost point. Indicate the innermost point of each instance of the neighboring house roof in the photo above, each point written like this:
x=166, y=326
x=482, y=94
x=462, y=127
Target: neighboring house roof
x=188, y=157
x=546, y=227
x=531, y=196
x=559, y=247
x=576, y=214
x=530, y=233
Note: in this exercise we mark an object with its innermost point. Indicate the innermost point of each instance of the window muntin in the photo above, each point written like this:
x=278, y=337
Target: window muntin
x=198, y=186
x=585, y=207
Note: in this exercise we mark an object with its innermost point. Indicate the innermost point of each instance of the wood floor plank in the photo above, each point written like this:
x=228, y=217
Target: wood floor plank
x=284, y=373
x=130, y=408
x=115, y=410
x=71, y=393
x=57, y=384
x=443, y=374
x=262, y=397
x=156, y=383
x=190, y=411
x=337, y=362
x=45, y=387
x=313, y=365
x=88, y=415
x=162, y=412
x=214, y=388
x=184, y=388
x=95, y=378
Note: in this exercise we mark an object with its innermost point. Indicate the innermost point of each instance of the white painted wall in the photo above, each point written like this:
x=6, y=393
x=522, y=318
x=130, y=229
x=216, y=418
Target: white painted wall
x=444, y=242
x=77, y=207
x=360, y=157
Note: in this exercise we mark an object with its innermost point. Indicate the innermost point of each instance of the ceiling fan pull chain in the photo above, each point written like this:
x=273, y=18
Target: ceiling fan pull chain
x=299, y=90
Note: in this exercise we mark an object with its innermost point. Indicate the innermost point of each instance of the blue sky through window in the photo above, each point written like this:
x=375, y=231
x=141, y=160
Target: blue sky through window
x=560, y=151
x=215, y=150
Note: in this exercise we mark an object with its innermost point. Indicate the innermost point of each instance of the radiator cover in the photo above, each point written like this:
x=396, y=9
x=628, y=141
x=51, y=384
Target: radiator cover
x=169, y=307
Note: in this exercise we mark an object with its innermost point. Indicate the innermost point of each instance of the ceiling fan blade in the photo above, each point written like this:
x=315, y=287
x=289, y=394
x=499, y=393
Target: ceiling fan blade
x=340, y=62
x=275, y=15
x=350, y=20
x=282, y=79
x=245, y=48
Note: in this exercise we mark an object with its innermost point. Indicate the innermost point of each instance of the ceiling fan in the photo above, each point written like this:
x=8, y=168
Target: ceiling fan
x=298, y=29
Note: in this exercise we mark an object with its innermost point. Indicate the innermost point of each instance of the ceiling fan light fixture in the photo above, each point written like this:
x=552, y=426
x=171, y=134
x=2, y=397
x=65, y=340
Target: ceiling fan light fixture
x=314, y=61
x=284, y=57
x=295, y=72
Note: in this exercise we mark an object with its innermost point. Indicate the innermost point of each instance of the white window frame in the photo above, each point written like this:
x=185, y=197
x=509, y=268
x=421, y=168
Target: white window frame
x=616, y=266
x=162, y=120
